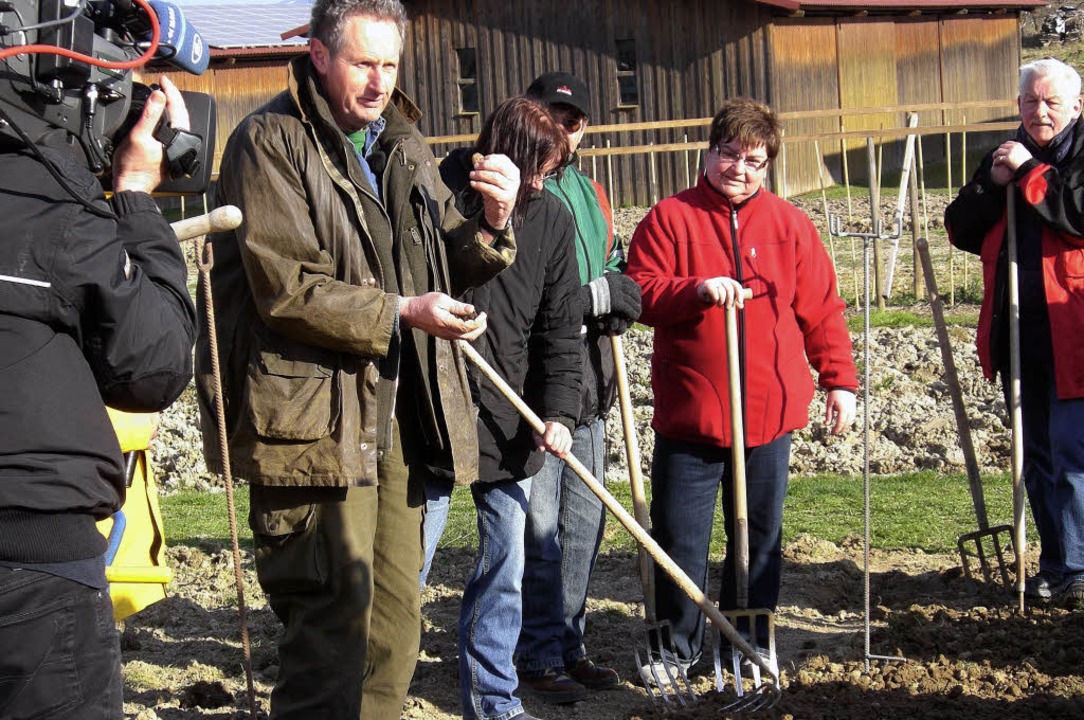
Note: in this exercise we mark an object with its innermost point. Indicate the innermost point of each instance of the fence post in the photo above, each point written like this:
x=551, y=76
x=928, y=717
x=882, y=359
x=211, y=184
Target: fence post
x=610, y=173
x=653, y=179
x=688, y=176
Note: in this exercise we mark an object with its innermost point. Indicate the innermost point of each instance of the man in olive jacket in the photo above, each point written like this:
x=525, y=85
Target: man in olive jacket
x=341, y=381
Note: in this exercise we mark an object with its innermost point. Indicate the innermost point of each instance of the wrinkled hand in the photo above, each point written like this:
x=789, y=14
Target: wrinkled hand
x=496, y=179
x=721, y=292
x=139, y=162
x=557, y=440
x=1008, y=157
x=442, y=316
x=839, y=411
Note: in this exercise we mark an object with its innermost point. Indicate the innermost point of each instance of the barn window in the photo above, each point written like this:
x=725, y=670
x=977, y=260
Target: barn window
x=468, y=81
x=628, y=87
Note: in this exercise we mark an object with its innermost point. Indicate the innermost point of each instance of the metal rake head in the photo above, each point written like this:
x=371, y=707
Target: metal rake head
x=758, y=626
x=661, y=671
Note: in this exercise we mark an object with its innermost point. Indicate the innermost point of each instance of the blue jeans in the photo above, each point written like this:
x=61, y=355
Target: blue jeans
x=490, y=615
x=686, y=479
x=564, y=531
x=61, y=655
x=1053, y=467
x=438, y=500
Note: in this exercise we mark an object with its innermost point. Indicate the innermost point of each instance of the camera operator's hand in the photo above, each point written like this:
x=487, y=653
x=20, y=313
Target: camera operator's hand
x=139, y=162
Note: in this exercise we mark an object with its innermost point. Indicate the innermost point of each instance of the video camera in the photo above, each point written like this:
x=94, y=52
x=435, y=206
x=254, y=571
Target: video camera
x=68, y=64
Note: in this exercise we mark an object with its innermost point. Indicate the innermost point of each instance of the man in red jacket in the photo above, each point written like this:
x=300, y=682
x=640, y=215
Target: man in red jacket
x=1044, y=164
x=692, y=256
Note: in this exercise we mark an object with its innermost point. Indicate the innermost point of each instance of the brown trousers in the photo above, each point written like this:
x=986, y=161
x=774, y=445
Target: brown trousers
x=340, y=568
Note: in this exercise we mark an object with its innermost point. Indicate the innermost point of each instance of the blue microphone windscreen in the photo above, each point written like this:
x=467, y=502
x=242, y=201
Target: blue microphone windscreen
x=188, y=49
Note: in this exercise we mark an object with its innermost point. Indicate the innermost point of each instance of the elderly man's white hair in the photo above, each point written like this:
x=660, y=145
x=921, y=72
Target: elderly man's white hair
x=1067, y=78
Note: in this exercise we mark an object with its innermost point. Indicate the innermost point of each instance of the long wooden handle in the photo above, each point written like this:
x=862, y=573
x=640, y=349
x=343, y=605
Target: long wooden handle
x=1019, y=531
x=662, y=560
x=220, y=219
x=737, y=462
x=963, y=427
x=636, y=478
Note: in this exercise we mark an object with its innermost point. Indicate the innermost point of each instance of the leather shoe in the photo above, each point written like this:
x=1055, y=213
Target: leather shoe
x=592, y=676
x=553, y=688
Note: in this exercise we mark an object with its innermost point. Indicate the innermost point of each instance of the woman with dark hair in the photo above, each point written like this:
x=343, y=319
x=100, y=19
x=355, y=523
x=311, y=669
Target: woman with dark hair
x=533, y=341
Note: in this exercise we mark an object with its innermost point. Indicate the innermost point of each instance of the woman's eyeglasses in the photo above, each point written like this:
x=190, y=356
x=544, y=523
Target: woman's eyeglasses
x=729, y=157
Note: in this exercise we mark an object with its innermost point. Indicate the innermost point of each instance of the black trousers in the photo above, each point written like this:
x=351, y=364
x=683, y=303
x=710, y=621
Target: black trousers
x=59, y=649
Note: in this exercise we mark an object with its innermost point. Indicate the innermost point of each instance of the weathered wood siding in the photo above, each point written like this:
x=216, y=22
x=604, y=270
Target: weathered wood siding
x=690, y=55
x=823, y=63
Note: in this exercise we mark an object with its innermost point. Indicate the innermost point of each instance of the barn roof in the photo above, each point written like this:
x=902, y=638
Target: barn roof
x=900, y=6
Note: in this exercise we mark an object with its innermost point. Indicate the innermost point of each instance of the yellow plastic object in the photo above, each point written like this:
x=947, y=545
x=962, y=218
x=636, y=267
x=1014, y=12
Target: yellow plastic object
x=137, y=572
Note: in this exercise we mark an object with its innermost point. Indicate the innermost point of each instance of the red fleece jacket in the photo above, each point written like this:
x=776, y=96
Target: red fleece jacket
x=795, y=313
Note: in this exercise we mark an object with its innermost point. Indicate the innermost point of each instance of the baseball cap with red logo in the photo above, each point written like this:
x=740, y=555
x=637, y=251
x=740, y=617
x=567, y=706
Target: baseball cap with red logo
x=560, y=88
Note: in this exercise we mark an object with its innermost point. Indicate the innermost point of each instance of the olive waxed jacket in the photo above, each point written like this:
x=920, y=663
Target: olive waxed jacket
x=306, y=291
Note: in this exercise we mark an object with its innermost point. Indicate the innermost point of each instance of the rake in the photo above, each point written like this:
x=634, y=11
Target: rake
x=660, y=671
x=763, y=696
x=756, y=620
x=984, y=545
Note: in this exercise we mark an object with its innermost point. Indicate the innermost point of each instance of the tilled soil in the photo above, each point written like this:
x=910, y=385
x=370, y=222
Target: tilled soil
x=967, y=652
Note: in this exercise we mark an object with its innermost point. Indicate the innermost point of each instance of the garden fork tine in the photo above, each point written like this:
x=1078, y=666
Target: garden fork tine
x=659, y=651
x=972, y=544
x=768, y=693
x=742, y=616
x=662, y=675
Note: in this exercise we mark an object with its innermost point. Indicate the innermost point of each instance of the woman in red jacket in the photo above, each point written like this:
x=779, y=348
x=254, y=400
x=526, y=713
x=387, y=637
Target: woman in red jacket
x=692, y=256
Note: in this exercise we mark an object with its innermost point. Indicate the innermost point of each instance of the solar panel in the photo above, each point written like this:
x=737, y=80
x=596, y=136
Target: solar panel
x=241, y=23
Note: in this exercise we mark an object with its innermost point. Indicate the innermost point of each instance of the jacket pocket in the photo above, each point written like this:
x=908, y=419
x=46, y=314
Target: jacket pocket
x=292, y=399
x=290, y=556
x=1070, y=262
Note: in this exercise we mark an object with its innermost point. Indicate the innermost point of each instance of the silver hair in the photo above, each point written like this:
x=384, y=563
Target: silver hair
x=329, y=17
x=1067, y=79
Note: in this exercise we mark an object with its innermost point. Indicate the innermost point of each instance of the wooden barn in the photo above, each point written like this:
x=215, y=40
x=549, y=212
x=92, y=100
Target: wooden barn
x=648, y=62
x=662, y=63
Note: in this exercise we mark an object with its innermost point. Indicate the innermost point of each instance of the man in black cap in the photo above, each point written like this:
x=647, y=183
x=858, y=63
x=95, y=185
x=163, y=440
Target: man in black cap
x=552, y=660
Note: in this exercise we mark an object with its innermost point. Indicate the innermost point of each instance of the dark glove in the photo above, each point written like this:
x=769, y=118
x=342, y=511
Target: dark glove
x=611, y=324
x=611, y=294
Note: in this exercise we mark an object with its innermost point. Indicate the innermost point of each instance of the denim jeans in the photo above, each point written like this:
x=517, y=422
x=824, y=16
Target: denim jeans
x=686, y=479
x=438, y=500
x=490, y=615
x=1053, y=467
x=60, y=654
x=564, y=531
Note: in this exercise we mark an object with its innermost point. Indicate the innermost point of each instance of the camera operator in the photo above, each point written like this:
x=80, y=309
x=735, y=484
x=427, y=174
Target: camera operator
x=94, y=310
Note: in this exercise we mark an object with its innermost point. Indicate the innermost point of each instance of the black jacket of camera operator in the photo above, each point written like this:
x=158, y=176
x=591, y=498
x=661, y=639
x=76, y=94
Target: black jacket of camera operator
x=92, y=312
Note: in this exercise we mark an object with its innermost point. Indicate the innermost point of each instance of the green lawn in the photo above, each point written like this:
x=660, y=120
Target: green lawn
x=827, y=507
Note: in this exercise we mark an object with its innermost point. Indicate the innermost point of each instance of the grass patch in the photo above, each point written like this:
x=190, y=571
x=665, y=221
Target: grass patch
x=895, y=318
x=201, y=519
x=828, y=507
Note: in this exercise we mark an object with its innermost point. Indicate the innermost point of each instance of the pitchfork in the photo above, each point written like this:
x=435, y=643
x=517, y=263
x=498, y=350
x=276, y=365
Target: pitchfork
x=660, y=671
x=970, y=545
x=764, y=695
x=742, y=616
